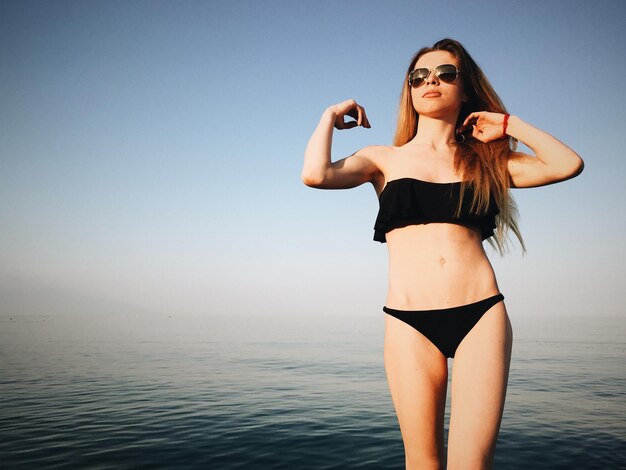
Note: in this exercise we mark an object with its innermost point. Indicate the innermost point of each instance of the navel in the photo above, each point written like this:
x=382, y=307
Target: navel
x=442, y=261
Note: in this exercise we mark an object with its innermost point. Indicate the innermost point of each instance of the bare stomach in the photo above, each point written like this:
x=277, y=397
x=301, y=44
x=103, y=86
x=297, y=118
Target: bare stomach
x=437, y=265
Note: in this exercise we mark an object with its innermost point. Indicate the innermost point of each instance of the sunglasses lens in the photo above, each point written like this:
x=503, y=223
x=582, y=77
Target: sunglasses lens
x=417, y=77
x=446, y=73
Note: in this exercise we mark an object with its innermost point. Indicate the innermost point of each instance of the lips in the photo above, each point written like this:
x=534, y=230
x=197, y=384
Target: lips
x=431, y=94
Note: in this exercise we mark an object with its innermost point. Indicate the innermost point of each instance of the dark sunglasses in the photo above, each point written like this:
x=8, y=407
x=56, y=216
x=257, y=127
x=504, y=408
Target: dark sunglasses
x=446, y=73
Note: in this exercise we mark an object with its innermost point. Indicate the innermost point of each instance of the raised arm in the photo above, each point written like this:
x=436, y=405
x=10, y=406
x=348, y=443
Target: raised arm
x=553, y=161
x=318, y=170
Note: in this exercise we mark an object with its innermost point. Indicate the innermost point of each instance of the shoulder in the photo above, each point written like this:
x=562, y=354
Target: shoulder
x=374, y=152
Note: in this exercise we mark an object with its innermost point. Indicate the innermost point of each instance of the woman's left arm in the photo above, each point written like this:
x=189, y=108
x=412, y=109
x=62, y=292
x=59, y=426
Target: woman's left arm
x=553, y=161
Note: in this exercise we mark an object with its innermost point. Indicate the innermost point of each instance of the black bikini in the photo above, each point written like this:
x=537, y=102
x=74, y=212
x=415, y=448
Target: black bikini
x=409, y=201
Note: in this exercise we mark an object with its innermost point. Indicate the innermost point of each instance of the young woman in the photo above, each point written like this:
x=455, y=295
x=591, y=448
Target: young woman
x=443, y=188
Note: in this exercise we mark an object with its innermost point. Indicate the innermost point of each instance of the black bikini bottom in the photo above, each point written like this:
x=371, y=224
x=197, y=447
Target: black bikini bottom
x=446, y=327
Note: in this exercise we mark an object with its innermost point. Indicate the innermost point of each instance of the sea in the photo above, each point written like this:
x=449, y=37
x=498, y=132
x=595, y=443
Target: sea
x=126, y=391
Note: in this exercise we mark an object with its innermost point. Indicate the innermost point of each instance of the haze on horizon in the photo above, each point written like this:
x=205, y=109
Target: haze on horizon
x=150, y=152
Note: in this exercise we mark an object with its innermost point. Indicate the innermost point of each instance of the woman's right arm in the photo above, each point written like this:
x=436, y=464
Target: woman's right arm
x=318, y=170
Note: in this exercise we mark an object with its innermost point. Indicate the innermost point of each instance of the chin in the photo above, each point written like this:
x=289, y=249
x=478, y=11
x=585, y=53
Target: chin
x=438, y=113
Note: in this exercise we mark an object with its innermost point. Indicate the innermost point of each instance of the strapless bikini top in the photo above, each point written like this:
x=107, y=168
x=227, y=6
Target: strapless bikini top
x=409, y=201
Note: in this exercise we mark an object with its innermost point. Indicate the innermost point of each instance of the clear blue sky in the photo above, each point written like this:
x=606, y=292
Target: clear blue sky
x=150, y=151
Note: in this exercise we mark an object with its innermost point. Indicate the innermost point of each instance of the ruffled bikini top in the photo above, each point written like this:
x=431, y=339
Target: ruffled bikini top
x=409, y=201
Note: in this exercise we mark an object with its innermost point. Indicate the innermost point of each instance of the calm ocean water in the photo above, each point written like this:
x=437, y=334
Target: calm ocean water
x=282, y=392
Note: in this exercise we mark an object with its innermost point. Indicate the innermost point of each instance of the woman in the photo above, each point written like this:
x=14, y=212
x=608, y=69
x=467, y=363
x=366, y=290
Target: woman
x=444, y=188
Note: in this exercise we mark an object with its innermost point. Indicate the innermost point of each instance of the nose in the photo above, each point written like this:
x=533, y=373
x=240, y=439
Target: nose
x=431, y=79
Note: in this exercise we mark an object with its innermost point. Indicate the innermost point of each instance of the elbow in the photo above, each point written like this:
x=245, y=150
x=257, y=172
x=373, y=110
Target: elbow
x=565, y=171
x=312, y=180
x=571, y=171
x=577, y=167
x=580, y=167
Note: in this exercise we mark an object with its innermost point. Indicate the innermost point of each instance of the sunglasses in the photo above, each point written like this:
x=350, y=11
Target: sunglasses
x=446, y=73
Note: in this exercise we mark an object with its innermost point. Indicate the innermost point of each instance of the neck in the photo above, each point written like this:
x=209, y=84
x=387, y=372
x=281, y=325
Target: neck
x=435, y=133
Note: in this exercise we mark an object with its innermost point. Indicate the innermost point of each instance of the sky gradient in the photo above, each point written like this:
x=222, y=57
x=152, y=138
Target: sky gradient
x=150, y=151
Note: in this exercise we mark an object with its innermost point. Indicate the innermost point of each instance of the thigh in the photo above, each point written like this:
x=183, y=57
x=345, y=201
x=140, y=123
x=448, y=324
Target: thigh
x=479, y=379
x=417, y=374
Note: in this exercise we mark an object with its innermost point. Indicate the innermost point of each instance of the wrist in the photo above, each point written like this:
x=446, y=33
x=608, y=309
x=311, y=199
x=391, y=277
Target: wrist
x=329, y=114
x=512, y=126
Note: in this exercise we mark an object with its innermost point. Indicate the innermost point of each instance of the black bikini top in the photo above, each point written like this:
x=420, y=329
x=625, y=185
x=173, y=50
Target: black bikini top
x=409, y=201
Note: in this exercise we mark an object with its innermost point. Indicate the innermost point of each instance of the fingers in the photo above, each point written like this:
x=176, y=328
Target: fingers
x=366, y=123
x=362, y=118
x=352, y=109
x=471, y=117
x=355, y=113
x=486, y=126
x=341, y=124
x=470, y=121
x=358, y=113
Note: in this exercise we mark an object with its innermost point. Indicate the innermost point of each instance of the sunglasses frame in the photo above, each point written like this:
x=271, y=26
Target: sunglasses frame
x=437, y=72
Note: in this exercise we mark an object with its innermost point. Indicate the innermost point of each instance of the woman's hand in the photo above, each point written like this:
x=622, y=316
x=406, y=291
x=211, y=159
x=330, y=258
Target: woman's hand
x=486, y=126
x=352, y=109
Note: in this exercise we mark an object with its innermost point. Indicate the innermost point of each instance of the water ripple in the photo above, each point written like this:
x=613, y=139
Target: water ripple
x=198, y=393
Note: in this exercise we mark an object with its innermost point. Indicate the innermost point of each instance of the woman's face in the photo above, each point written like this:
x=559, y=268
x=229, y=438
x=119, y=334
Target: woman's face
x=434, y=97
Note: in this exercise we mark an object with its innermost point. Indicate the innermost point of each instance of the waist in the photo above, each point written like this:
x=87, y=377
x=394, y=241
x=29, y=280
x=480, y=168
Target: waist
x=437, y=266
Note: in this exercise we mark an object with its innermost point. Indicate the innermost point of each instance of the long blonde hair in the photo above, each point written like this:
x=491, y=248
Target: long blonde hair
x=482, y=165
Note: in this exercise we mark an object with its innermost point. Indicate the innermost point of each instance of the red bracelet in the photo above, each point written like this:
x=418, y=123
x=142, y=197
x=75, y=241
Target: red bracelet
x=504, y=124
